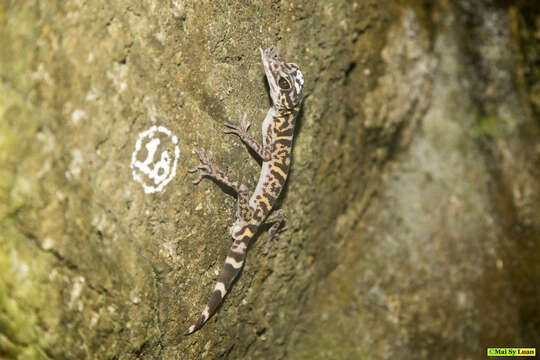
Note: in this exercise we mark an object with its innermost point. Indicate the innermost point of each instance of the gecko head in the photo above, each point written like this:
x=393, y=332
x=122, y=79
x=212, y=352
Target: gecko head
x=285, y=80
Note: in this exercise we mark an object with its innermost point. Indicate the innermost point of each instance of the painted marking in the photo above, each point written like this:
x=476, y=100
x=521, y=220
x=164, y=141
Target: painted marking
x=158, y=143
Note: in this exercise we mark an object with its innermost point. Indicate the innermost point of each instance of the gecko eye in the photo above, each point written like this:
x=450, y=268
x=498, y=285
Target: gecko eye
x=284, y=84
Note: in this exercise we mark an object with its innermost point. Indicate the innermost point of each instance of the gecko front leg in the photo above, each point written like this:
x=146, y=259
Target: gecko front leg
x=244, y=211
x=265, y=152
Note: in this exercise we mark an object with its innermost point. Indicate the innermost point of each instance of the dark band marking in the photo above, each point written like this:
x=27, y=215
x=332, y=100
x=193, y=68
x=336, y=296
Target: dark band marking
x=259, y=213
x=285, y=124
x=284, y=152
x=252, y=227
x=227, y=275
x=285, y=142
x=246, y=232
x=284, y=167
x=237, y=256
x=286, y=132
x=263, y=206
x=271, y=199
x=214, y=301
x=245, y=240
x=278, y=176
x=275, y=188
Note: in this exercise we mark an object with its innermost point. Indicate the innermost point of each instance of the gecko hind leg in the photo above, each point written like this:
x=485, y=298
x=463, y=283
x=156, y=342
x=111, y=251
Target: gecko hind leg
x=244, y=211
x=276, y=219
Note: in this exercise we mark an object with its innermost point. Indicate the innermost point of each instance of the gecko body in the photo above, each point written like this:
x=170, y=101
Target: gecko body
x=286, y=84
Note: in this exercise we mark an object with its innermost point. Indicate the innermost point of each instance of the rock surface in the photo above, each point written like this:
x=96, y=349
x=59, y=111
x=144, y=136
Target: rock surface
x=413, y=200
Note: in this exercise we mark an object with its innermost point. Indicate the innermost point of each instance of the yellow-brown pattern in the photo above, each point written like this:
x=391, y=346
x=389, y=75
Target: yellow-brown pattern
x=286, y=84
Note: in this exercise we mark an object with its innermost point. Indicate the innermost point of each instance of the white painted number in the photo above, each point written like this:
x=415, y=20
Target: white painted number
x=151, y=174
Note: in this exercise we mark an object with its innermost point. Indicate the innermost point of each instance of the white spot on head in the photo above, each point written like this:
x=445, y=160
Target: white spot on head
x=300, y=76
x=299, y=81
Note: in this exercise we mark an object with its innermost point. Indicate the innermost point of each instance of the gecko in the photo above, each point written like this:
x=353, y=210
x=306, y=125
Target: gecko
x=286, y=84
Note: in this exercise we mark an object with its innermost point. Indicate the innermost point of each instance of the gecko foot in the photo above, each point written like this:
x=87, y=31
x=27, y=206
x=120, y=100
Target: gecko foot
x=241, y=129
x=273, y=236
x=206, y=168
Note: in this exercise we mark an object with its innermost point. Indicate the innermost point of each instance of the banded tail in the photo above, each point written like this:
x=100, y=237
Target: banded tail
x=231, y=268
